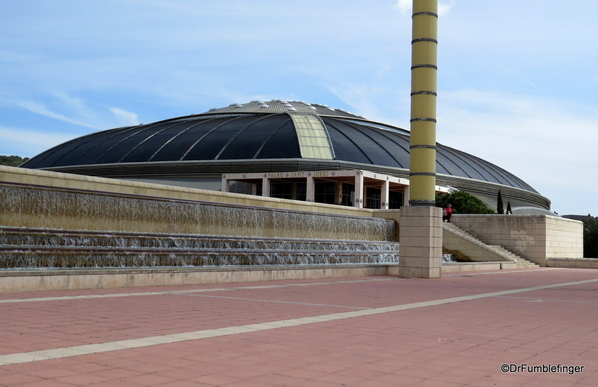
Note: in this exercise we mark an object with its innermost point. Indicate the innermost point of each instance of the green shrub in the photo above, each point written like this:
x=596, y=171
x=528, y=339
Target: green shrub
x=463, y=203
x=12, y=161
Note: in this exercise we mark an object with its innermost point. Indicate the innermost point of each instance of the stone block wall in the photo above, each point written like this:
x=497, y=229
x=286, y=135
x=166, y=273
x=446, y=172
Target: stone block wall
x=564, y=238
x=421, y=242
x=534, y=237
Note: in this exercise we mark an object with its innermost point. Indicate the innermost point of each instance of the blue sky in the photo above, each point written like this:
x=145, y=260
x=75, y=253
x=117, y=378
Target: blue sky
x=518, y=81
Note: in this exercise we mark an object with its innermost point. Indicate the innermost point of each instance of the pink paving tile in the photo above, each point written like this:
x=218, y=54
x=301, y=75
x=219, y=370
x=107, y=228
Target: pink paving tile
x=116, y=383
x=149, y=379
x=216, y=379
x=281, y=380
x=184, y=383
x=82, y=379
x=43, y=383
x=16, y=379
x=464, y=342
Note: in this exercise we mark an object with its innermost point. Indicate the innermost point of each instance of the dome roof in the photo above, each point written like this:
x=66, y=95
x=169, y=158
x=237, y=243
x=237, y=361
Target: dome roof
x=260, y=131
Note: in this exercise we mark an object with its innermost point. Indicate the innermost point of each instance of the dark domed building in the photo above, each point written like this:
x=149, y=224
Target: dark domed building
x=285, y=149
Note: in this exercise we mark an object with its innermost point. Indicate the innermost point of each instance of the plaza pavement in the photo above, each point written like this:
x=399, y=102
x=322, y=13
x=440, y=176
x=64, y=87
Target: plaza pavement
x=460, y=330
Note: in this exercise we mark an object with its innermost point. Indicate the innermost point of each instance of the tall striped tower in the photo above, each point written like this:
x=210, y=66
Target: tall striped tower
x=420, y=254
x=424, y=48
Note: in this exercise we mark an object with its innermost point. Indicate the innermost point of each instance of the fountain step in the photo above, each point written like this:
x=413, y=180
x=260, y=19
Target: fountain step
x=82, y=259
x=44, y=248
x=68, y=238
x=101, y=250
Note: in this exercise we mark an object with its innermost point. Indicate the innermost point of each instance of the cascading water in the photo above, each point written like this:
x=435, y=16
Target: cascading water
x=55, y=228
x=46, y=248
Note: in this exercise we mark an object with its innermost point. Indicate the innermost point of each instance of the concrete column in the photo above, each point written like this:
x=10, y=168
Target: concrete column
x=420, y=251
x=359, y=191
x=310, y=189
x=338, y=192
x=225, y=184
x=384, y=195
x=265, y=187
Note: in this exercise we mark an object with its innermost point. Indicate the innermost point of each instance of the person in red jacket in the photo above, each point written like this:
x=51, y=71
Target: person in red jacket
x=448, y=211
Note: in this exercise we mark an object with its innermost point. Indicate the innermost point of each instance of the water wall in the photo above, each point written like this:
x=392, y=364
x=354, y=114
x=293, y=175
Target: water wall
x=51, y=248
x=49, y=207
x=52, y=220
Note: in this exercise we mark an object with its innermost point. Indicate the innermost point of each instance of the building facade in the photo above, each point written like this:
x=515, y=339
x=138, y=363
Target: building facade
x=286, y=149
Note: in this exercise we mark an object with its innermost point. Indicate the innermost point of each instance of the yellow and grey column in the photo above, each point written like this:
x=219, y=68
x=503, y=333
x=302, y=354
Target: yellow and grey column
x=420, y=252
x=424, y=48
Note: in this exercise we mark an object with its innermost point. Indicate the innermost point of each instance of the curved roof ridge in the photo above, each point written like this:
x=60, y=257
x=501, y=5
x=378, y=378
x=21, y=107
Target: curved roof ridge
x=282, y=106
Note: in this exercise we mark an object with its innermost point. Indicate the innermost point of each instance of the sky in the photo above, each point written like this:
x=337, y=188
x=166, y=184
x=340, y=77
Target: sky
x=517, y=80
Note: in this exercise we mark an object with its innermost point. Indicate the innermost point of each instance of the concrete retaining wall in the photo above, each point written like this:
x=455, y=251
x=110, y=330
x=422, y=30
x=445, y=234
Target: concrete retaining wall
x=534, y=237
x=476, y=266
x=574, y=263
x=43, y=280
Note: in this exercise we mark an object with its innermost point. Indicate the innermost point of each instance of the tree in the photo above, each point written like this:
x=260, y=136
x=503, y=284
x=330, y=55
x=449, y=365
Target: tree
x=509, y=209
x=499, y=204
x=590, y=238
x=463, y=203
x=12, y=161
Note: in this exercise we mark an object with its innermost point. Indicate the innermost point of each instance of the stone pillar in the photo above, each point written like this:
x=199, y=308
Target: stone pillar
x=384, y=195
x=310, y=189
x=225, y=184
x=338, y=192
x=359, y=190
x=266, y=187
x=420, y=251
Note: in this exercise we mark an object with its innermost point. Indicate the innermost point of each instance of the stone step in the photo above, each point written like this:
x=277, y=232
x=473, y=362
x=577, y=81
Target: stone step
x=521, y=262
x=97, y=259
x=43, y=248
x=68, y=238
x=505, y=253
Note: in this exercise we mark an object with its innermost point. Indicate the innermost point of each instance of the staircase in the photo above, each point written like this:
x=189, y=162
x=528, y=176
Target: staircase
x=470, y=248
x=521, y=262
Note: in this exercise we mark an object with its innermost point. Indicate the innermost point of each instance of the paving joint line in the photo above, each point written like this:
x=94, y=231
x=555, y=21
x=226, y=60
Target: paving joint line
x=57, y=353
x=550, y=300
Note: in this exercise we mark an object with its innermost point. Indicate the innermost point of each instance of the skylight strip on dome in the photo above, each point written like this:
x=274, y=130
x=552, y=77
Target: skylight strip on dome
x=313, y=137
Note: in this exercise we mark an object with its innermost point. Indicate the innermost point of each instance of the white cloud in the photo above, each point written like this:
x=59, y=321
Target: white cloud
x=546, y=142
x=42, y=109
x=405, y=6
x=24, y=142
x=127, y=118
x=444, y=7
x=75, y=111
x=516, y=75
